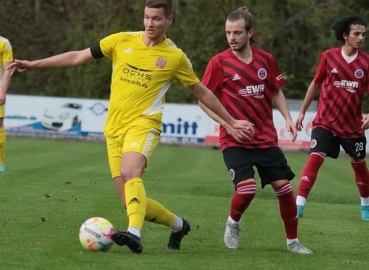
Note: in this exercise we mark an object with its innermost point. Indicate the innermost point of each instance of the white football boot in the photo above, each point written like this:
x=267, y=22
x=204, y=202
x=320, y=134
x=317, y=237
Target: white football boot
x=297, y=247
x=232, y=234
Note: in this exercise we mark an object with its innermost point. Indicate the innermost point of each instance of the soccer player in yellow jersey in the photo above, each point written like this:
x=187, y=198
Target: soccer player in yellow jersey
x=6, y=57
x=144, y=64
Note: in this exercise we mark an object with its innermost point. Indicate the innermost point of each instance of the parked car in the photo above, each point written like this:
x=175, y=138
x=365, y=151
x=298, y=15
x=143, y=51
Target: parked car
x=62, y=118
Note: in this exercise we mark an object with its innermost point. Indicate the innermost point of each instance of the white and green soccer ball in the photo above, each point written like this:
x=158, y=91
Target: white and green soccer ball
x=95, y=234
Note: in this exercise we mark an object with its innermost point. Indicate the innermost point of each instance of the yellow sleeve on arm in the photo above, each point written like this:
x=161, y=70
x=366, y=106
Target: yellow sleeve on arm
x=184, y=73
x=108, y=44
x=7, y=52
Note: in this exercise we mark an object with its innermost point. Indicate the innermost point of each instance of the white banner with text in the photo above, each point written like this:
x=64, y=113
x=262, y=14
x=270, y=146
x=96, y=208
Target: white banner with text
x=76, y=117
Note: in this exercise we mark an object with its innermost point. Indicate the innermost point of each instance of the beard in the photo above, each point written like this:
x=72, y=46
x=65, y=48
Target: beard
x=240, y=48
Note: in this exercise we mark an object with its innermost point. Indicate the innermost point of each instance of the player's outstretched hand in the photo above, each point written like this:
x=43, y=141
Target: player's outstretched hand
x=20, y=66
x=299, y=120
x=291, y=128
x=365, y=121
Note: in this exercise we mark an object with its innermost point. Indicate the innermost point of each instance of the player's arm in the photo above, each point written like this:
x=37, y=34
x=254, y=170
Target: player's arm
x=212, y=80
x=73, y=58
x=210, y=102
x=281, y=103
x=277, y=81
x=309, y=97
x=6, y=78
x=6, y=59
x=311, y=92
x=239, y=135
x=212, y=107
x=5, y=83
x=212, y=115
x=188, y=78
x=314, y=87
x=68, y=59
x=365, y=120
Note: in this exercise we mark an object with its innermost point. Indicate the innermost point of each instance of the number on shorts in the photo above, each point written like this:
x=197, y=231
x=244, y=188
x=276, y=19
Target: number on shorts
x=359, y=146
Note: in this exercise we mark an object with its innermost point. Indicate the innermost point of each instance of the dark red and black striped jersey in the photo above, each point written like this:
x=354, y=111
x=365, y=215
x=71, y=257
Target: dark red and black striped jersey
x=246, y=91
x=342, y=90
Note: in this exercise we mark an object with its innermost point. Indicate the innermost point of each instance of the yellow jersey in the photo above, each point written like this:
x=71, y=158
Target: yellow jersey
x=6, y=55
x=141, y=77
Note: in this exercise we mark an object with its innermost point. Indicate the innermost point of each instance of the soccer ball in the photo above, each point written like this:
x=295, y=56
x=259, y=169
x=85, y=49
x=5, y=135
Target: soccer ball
x=95, y=234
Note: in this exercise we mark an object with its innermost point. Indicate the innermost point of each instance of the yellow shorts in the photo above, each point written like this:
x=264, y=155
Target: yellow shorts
x=136, y=138
x=2, y=111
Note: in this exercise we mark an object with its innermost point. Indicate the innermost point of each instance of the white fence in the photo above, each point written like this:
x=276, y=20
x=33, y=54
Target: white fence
x=84, y=118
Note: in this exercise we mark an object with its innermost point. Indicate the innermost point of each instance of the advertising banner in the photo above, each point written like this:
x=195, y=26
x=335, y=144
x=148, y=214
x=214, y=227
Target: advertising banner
x=85, y=118
x=43, y=115
x=73, y=117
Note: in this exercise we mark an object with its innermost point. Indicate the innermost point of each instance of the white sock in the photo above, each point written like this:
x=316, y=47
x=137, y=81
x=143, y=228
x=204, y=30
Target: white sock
x=290, y=241
x=300, y=200
x=233, y=221
x=364, y=201
x=135, y=231
x=177, y=225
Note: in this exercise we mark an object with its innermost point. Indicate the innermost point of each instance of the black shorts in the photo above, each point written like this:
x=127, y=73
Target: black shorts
x=324, y=141
x=270, y=163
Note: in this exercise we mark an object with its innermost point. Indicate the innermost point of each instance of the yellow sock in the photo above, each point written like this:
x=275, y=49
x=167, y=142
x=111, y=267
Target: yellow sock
x=2, y=145
x=157, y=213
x=136, y=202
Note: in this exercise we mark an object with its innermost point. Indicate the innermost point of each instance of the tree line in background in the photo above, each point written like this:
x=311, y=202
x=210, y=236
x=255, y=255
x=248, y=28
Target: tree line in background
x=295, y=31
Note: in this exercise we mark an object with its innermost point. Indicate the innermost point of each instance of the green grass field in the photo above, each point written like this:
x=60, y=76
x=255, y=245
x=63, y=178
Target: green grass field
x=192, y=182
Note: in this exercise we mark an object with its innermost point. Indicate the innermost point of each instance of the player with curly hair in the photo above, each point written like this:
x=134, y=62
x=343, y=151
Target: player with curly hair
x=342, y=76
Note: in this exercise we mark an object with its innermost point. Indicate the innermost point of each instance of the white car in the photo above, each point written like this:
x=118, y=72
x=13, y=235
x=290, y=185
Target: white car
x=62, y=118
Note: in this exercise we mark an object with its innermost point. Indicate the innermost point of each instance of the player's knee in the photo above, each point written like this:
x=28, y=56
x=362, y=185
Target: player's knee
x=283, y=190
x=246, y=188
x=279, y=184
x=316, y=159
x=128, y=174
x=359, y=166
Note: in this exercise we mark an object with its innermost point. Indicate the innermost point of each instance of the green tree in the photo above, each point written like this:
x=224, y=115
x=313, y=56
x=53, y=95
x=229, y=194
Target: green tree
x=295, y=31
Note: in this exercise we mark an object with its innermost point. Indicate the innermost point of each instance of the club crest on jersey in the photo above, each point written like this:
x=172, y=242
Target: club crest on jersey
x=359, y=73
x=313, y=143
x=232, y=174
x=262, y=73
x=160, y=62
